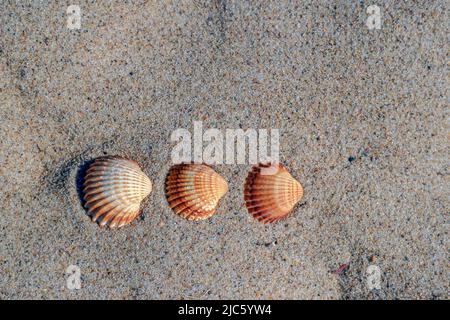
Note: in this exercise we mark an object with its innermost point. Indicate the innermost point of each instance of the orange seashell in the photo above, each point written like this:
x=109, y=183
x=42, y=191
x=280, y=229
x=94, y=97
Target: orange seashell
x=114, y=188
x=270, y=192
x=194, y=190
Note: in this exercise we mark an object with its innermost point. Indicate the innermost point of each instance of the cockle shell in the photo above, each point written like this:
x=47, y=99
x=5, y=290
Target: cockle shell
x=194, y=190
x=270, y=192
x=114, y=188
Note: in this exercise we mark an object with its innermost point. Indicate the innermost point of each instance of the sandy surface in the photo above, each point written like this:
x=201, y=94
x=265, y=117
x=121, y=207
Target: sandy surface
x=138, y=70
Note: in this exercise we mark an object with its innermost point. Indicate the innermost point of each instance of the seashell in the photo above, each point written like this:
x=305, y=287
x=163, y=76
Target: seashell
x=114, y=188
x=194, y=190
x=270, y=192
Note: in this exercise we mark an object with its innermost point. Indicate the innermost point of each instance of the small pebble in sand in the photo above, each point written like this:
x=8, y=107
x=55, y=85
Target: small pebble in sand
x=341, y=269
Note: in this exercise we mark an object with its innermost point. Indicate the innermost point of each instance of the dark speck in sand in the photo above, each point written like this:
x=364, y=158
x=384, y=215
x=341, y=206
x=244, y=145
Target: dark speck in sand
x=351, y=159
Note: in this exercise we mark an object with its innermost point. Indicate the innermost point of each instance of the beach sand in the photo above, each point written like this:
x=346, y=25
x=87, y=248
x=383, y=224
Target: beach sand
x=363, y=126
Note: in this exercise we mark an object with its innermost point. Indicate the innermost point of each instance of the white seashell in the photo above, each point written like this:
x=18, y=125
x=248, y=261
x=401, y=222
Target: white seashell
x=114, y=188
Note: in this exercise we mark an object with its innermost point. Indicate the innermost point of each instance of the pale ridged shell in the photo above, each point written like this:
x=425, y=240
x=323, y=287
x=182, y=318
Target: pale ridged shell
x=270, y=192
x=194, y=190
x=114, y=188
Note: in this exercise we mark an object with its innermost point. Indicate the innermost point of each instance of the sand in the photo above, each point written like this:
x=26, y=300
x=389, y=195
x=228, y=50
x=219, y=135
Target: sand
x=363, y=126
